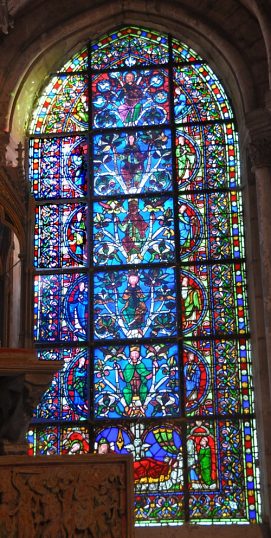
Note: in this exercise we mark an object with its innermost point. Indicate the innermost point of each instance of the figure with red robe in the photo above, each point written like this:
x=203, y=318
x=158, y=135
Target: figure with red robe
x=134, y=228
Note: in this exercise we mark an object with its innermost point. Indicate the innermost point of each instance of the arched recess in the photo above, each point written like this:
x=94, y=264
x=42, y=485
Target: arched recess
x=15, y=211
x=28, y=74
x=232, y=69
x=182, y=295
x=10, y=283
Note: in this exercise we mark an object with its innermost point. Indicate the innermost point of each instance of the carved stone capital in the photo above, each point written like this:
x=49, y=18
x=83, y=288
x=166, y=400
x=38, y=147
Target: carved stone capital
x=258, y=131
x=14, y=190
x=4, y=140
x=260, y=152
x=23, y=381
x=14, y=187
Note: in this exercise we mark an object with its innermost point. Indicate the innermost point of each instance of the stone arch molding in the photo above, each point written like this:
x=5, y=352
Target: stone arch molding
x=44, y=53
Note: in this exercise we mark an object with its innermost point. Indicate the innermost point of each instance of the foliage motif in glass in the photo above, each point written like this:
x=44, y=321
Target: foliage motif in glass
x=67, y=398
x=58, y=167
x=136, y=381
x=65, y=107
x=130, y=98
x=60, y=307
x=132, y=162
x=60, y=235
x=134, y=304
x=129, y=47
x=140, y=276
x=134, y=231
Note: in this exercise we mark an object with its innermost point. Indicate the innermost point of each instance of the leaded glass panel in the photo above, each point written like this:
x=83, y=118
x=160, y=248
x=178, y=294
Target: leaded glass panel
x=129, y=47
x=67, y=397
x=60, y=235
x=134, y=231
x=124, y=99
x=60, y=307
x=79, y=62
x=140, y=276
x=58, y=167
x=116, y=367
x=132, y=162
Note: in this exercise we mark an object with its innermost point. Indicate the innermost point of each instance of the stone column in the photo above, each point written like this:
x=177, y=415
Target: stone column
x=260, y=154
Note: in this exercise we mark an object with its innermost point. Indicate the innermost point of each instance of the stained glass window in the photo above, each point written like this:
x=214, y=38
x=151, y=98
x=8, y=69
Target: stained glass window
x=140, y=276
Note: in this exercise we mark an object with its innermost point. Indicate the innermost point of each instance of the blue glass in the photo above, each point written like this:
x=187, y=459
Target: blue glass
x=132, y=162
x=136, y=381
x=134, y=304
x=133, y=231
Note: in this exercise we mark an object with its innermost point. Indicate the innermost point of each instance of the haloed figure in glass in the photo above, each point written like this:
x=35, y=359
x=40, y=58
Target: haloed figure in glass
x=132, y=94
x=79, y=235
x=80, y=307
x=133, y=164
x=192, y=377
x=134, y=310
x=136, y=376
x=134, y=228
x=192, y=303
x=185, y=226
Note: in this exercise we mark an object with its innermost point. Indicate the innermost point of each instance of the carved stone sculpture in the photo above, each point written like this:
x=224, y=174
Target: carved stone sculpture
x=59, y=496
x=6, y=20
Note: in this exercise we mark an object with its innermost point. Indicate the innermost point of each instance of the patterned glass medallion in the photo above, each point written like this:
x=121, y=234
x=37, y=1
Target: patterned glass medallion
x=67, y=397
x=124, y=99
x=61, y=307
x=132, y=162
x=136, y=231
x=199, y=95
x=60, y=236
x=58, y=167
x=140, y=276
x=207, y=157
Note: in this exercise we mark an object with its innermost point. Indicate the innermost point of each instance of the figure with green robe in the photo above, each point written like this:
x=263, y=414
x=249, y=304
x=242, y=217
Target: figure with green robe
x=78, y=229
x=136, y=376
x=192, y=303
x=186, y=159
x=205, y=461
